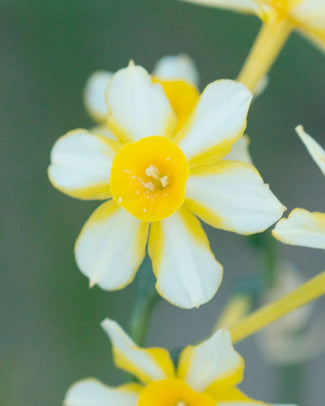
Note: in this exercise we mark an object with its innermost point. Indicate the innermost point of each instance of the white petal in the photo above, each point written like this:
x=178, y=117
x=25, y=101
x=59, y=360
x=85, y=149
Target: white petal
x=177, y=67
x=244, y=6
x=91, y=392
x=147, y=364
x=211, y=361
x=111, y=247
x=81, y=165
x=218, y=121
x=315, y=150
x=232, y=196
x=104, y=131
x=302, y=228
x=137, y=107
x=239, y=151
x=94, y=95
x=187, y=273
x=315, y=36
x=311, y=13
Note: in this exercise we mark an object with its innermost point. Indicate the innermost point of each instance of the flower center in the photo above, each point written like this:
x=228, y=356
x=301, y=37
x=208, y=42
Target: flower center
x=173, y=392
x=282, y=6
x=148, y=178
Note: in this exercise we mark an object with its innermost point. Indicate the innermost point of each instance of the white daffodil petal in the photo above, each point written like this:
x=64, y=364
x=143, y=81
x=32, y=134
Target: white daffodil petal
x=315, y=150
x=317, y=37
x=232, y=196
x=213, y=362
x=302, y=228
x=311, y=13
x=244, y=6
x=147, y=364
x=81, y=165
x=111, y=247
x=217, y=122
x=239, y=151
x=90, y=392
x=137, y=107
x=177, y=67
x=187, y=273
x=94, y=95
x=104, y=131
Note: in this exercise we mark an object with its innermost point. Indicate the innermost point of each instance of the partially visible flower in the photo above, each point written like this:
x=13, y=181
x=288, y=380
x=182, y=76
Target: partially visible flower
x=205, y=375
x=293, y=338
x=307, y=16
x=168, y=68
x=161, y=175
x=179, y=77
x=303, y=227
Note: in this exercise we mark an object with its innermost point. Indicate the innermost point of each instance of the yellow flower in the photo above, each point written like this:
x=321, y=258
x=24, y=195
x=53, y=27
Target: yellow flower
x=155, y=173
x=206, y=375
x=303, y=227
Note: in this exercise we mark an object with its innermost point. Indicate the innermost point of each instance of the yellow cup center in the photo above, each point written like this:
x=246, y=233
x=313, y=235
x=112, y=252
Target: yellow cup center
x=173, y=392
x=148, y=178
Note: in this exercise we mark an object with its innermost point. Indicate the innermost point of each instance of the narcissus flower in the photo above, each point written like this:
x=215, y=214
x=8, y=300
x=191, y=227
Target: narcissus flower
x=303, y=227
x=206, y=375
x=307, y=16
x=168, y=68
x=280, y=18
x=160, y=174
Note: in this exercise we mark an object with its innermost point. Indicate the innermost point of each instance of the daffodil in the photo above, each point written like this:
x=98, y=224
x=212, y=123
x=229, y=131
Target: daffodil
x=168, y=68
x=160, y=176
x=280, y=18
x=179, y=77
x=303, y=227
x=205, y=375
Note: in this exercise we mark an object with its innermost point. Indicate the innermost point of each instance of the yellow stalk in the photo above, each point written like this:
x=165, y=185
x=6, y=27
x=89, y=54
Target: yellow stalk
x=234, y=311
x=306, y=293
x=268, y=44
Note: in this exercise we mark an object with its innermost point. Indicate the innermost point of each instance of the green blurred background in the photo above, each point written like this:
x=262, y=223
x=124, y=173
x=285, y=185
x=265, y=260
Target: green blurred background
x=50, y=334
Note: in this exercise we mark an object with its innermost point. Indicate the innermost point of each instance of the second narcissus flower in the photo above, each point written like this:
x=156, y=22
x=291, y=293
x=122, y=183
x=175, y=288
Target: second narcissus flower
x=206, y=375
x=303, y=227
x=159, y=175
x=307, y=16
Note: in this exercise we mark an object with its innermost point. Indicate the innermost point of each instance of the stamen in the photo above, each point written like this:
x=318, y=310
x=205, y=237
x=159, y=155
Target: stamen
x=181, y=403
x=149, y=186
x=164, y=181
x=153, y=171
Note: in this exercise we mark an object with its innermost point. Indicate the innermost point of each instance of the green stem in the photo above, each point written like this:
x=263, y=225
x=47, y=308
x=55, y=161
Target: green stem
x=268, y=258
x=146, y=297
x=290, y=383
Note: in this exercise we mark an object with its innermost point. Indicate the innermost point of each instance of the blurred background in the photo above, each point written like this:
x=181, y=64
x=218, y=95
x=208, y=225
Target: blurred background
x=50, y=334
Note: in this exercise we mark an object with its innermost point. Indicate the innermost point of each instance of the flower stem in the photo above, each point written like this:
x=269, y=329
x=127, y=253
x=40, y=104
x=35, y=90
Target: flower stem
x=306, y=293
x=146, y=297
x=264, y=52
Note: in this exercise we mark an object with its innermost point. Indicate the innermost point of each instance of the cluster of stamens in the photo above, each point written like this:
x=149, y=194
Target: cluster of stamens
x=157, y=181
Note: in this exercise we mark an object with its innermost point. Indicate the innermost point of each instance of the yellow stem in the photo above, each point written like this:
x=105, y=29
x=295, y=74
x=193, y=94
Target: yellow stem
x=307, y=292
x=268, y=44
x=234, y=311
